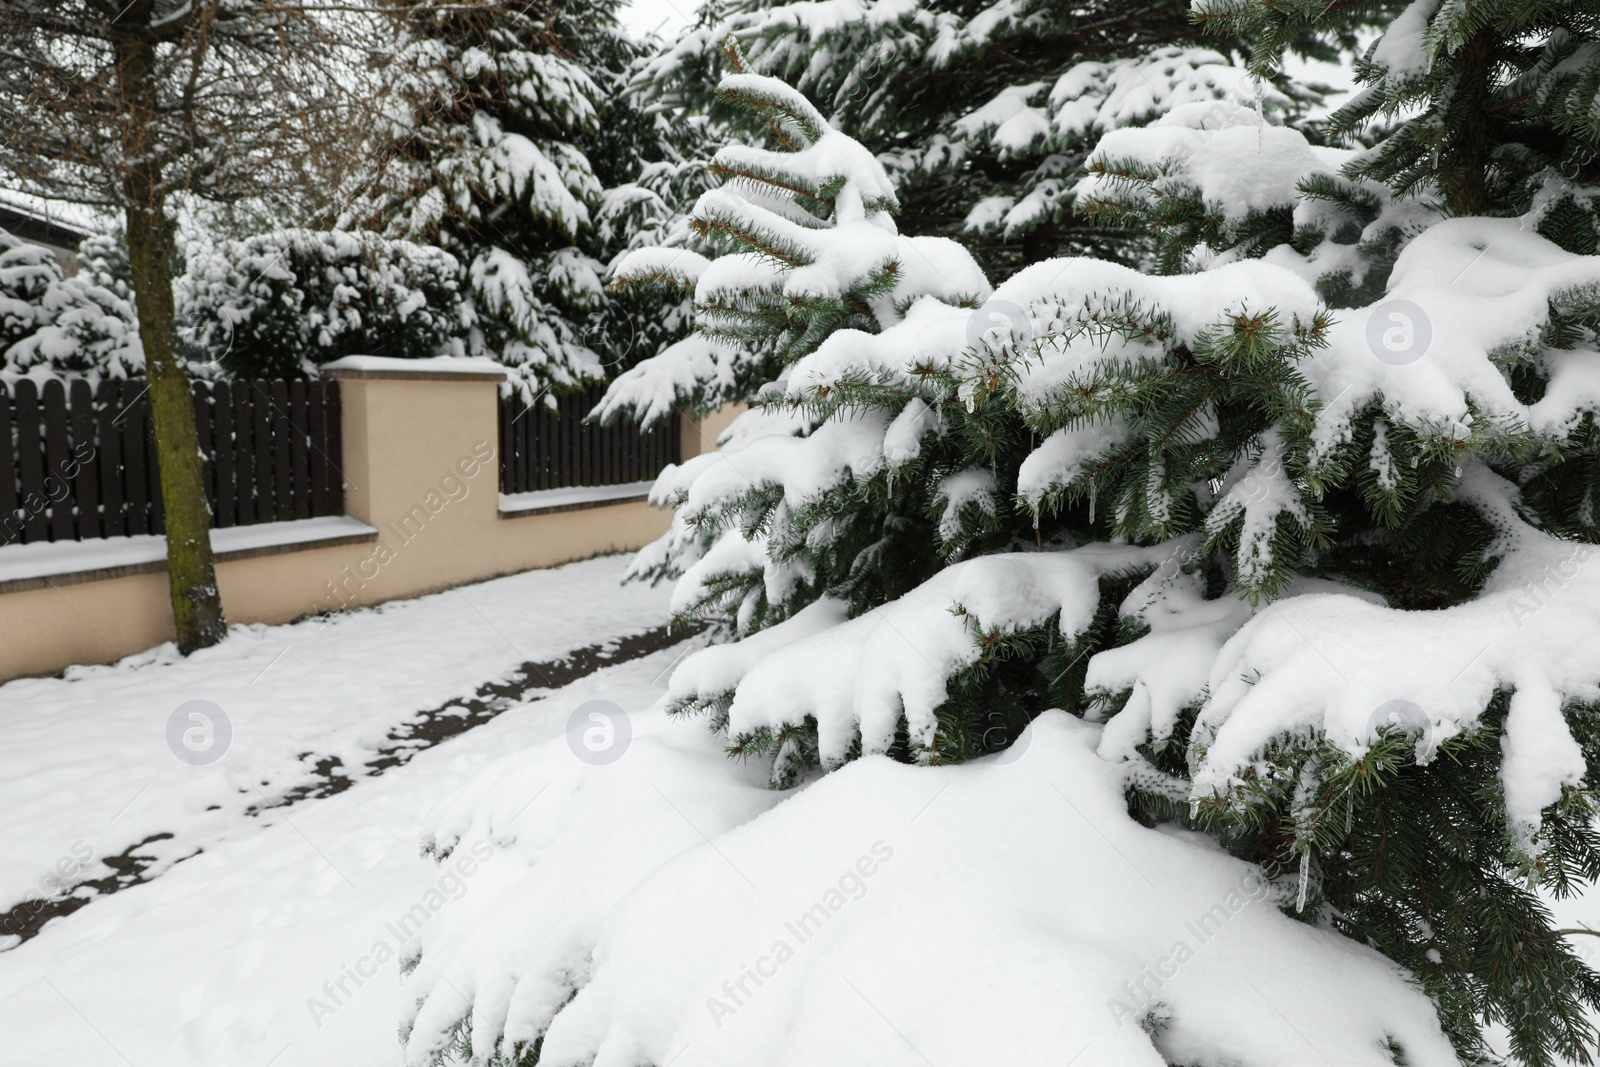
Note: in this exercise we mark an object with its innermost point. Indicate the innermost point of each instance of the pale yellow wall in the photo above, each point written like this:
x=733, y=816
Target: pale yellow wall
x=44, y=630
x=702, y=436
x=404, y=435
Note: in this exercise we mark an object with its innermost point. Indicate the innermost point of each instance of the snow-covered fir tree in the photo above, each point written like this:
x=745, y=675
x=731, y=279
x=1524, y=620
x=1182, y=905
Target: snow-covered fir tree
x=1305, y=521
x=55, y=325
x=983, y=113
x=857, y=531
x=522, y=157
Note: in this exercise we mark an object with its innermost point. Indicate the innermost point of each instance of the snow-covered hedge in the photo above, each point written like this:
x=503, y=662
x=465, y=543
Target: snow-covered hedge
x=282, y=303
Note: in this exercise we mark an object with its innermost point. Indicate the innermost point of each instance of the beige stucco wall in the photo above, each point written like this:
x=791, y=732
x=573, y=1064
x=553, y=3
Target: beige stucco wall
x=420, y=464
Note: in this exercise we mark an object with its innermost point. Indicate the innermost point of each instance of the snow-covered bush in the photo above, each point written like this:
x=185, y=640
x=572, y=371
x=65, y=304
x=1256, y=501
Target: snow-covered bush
x=53, y=325
x=280, y=304
x=1321, y=479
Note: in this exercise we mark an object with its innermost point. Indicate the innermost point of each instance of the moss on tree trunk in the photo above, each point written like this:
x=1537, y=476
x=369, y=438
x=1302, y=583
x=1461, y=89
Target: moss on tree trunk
x=191, y=572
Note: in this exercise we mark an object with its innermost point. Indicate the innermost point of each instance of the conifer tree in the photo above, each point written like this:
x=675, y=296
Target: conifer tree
x=983, y=113
x=60, y=325
x=523, y=159
x=1305, y=520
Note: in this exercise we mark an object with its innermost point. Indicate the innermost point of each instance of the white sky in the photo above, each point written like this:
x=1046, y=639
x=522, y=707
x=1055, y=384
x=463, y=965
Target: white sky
x=666, y=17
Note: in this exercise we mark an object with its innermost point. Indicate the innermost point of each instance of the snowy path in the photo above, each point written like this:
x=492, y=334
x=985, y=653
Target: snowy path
x=88, y=771
x=214, y=962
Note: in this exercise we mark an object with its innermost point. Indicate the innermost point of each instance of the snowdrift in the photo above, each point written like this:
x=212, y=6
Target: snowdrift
x=1004, y=911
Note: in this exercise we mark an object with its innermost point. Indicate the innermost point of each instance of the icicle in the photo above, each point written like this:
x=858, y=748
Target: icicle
x=1413, y=462
x=1349, y=813
x=1305, y=880
x=1091, y=503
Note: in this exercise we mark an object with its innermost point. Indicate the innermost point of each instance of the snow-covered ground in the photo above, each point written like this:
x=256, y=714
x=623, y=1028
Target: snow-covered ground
x=226, y=959
x=214, y=961
x=87, y=763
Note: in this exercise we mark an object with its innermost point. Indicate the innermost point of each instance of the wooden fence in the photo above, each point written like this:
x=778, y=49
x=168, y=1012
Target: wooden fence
x=82, y=461
x=542, y=448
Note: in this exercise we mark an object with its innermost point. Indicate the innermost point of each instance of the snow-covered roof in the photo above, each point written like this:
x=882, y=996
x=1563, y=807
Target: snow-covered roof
x=53, y=223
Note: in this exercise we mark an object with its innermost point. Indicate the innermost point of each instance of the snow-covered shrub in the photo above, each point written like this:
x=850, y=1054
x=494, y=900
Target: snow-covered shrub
x=279, y=304
x=53, y=325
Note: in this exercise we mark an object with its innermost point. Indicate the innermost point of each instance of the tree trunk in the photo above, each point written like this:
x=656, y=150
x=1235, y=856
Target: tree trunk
x=1464, y=175
x=191, y=573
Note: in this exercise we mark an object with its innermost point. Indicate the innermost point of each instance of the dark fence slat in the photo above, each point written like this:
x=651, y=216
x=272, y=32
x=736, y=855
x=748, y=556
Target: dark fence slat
x=223, y=458
x=57, y=461
x=266, y=504
x=30, y=462
x=321, y=482
x=544, y=456
x=282, y=481
x=570, y=469
x=589, y=471
x=564, y=458
x=578, y=472
x=608, y=444
x=334, y=451
x=510, y=414
x=299, y=473
x=108, y=458
x=244, y=452
x=527, y=426
x=11, y=516
x=136, y=488
x=86, y=480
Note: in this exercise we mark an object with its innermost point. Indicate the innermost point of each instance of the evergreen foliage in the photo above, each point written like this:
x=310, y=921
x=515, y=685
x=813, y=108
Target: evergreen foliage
x=1207, y=507
x=983, y=113
x=281, y=304
x=53, y=324
x=1494, y=103
x=522, y=158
